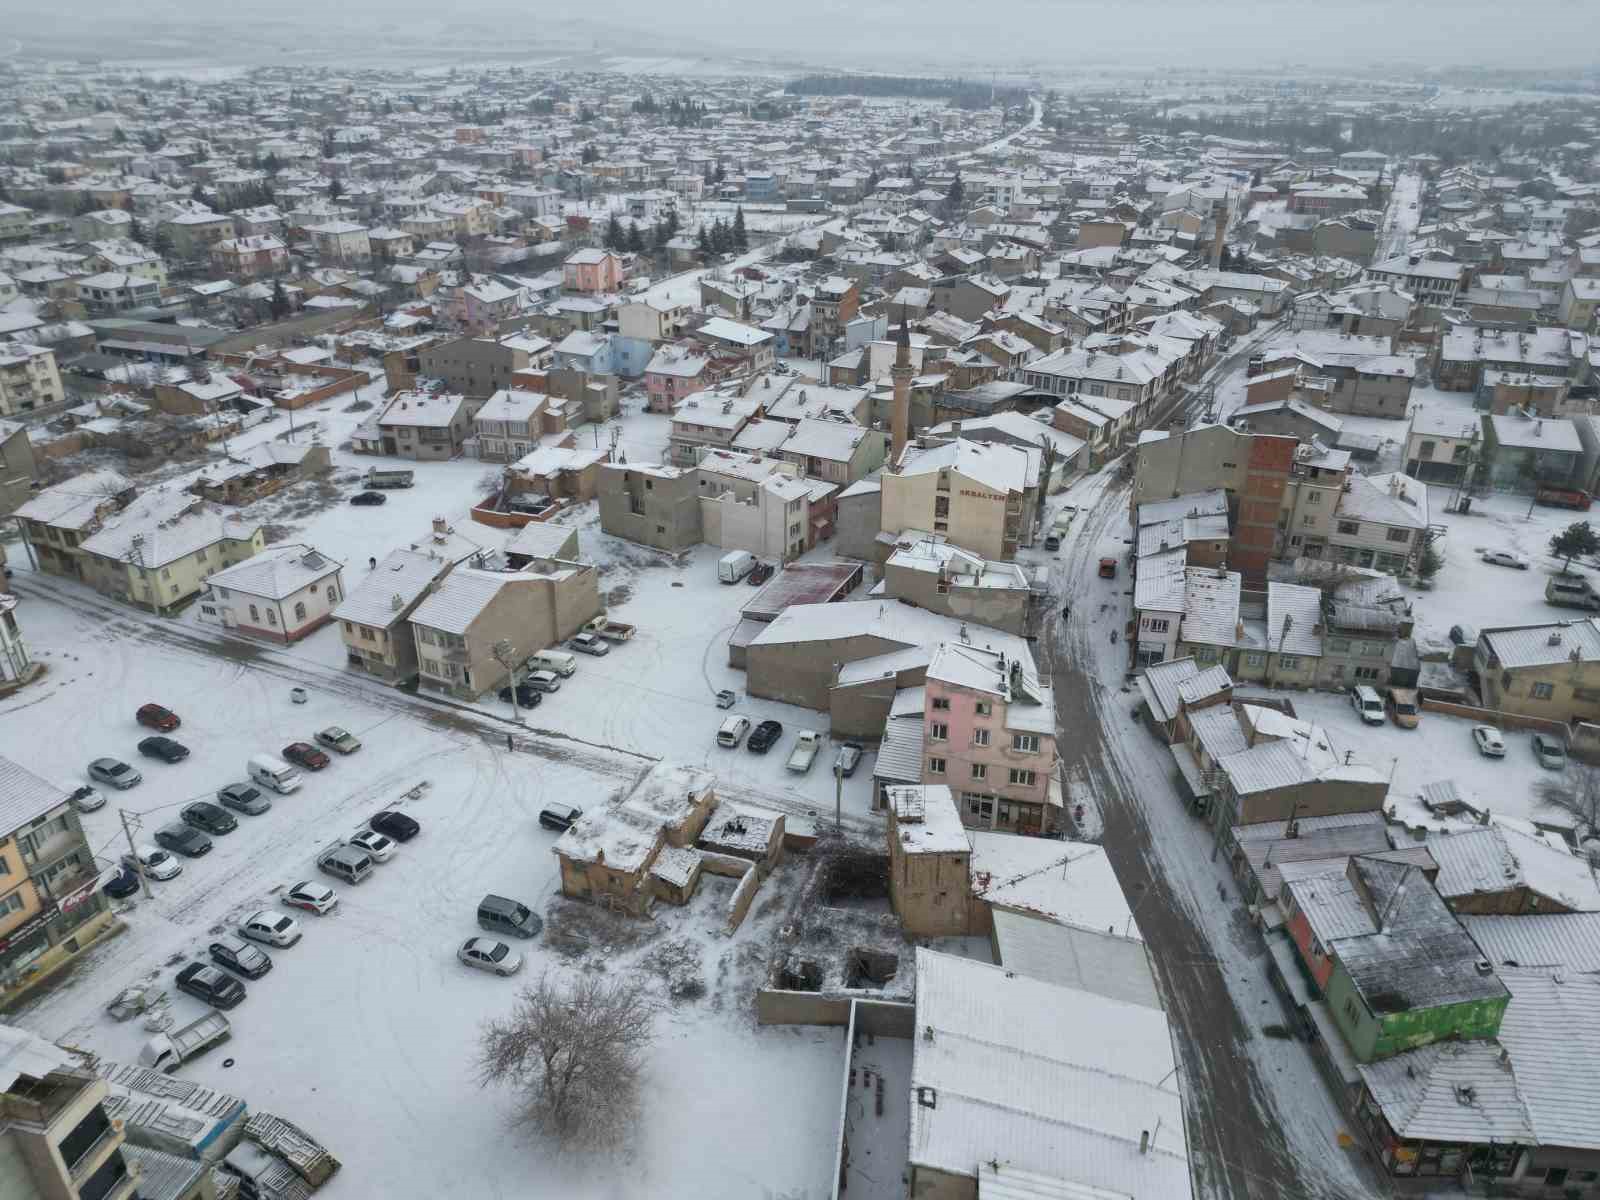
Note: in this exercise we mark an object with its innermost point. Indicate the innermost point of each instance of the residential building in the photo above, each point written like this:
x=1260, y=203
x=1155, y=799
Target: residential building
x=1522, y=450
x=675, y=372
x=709, y=421
x=159, y=551
x=836, y=451
x=375, y=616
x=461, y=621
x=1466, y=352
x=760, y=505
x=980, y=496
x=749, y=346
x=1500, y=868
x=252, y=257
x=943, y=578
x=929, y=861
x=56, y=520
x=342, y=242
x=51, y=907
x=425, y=425
x=478, y=367
x=112, y=292
x=56, y=1139
x=284, y=593
x=193, y=232
x=16, y=665
x=1442, y=447
x=651, y=504
x=510, y=424
x=1434, y=282
x=991, y=738
x=28, y=378
x=1381, y=522
x=592, y=270
x=1549, y=671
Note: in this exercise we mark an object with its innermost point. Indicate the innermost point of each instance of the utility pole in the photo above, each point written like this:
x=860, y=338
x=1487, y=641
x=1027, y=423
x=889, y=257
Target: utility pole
x=506, y=655
x=838, y=795
x=138, y=863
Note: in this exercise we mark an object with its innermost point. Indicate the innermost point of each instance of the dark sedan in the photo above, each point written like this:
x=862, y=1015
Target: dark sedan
x=396, y=825
x=764, y=737
x=208, y=818
x=369, y=498
x=181, y=839
x=527, y=696
x=123, y=884
x=240, y=957
x=164, y=748
x=211, y=985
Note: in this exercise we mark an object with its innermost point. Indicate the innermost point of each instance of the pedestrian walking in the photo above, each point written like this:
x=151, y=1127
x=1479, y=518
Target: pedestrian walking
x=1066, y=611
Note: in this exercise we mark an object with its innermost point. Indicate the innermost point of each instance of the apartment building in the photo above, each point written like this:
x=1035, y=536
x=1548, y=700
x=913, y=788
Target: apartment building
x=28, y=378
x=374, y=619
x=1434, y=282
x=478, y=367
x=425, y=426
x=979, y=496
x=651, y=504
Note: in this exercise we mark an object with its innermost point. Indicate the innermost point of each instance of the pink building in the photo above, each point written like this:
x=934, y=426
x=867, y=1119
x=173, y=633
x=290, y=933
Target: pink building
x=592, y=270
x=989, y=736
x=674, y=372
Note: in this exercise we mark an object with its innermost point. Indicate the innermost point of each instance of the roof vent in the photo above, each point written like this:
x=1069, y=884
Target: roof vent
x=1555, y=638
x=1483, y=967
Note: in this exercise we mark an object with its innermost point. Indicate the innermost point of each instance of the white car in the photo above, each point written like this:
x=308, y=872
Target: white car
x=335, y=737
x=313, y=897
x=1505, y=558
x=732, y=732
x=377, y=847
x=87, y=799
x=489, y=955
x=157, y=863
x=274, y=929
x=1490, y=743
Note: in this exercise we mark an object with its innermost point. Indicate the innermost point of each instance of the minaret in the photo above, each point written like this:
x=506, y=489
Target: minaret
x=901, y=373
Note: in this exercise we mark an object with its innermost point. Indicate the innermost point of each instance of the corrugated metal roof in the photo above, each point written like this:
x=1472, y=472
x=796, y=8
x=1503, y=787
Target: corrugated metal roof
x=1450, y=1092
x=464, y=594
x=1543, y=645
x=1550, y=1032
x=390, y=589
x=162, y=1176
x=1497, y=858
x=1293, y=614
x=1068, y=957
x=1160, y=585
x=900, y=753
x=1211, y=606
x=1570, y=941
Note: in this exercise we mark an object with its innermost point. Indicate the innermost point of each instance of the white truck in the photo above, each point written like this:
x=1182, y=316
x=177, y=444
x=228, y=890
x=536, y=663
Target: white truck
x=166, y=1050
x=735, y=565
x=805, y=751
x=378, y=478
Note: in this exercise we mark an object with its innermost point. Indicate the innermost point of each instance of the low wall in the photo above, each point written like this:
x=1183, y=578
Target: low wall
x=743, y=896
x=1490, y=716
x=494, y=518
x=881, y=1018
x=730, y=865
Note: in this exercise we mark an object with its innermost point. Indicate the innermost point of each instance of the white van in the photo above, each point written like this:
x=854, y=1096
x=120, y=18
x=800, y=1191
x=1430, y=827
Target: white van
x=1368, y=704
x=273, y=774
x=561, y=662
x=735, y=565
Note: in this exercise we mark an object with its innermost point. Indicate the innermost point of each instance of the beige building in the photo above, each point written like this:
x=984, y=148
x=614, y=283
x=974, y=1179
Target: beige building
x=57, y=1141
x=28, y=378
x=651, y=504
x=946, y=579
x=425, y=426
x=1550, y=671
x=284, y=593
x=375, y=617
x=56, y=520
x=980, y=496
x=18, y=468
x=160, y=550
x=461, y=621
x=929, y=861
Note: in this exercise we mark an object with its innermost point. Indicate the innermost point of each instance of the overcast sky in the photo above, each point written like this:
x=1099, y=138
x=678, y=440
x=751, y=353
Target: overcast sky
x=880, y=33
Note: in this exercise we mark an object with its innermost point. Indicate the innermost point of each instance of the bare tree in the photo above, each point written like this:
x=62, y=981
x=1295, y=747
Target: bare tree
x=1576, y=793
x=574, y=1054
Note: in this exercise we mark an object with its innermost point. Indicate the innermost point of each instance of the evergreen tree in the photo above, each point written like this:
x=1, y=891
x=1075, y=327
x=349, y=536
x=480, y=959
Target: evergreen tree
x=720, y=174
x=635, y=243
x=741, y=240
x=1577, y=538
x=659, y=237
x=335, y=190
x=704, y=243
x=198, y=194
x=279, y=304
x=614, y=235
x=956, y=194
x=589, y=154
x=161, y=241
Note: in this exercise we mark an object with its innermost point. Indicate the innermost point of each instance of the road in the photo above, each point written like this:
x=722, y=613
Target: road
x=1400, y=219
x=999, y=143
x=1260, y=1121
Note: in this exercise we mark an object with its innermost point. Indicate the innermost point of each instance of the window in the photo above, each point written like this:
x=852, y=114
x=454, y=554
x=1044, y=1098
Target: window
x=939, y=731
x=1366, y=674
x=1349, y=526
x=977, y=805
x=1023, y=778
x=980, y=737
x=1288, y=662
x=1025, y=743
x=255, y=613
x=12, y=903
x=936, y=766
x=1157, y=624
x=1555, y=1176
x=1542, y=691
x=300, y=611
x=1313, y=497
x=1255, y=660
x=1338, y=645
x=1425, y=449
x=272, y=617
x=1399, y=535
x=366, y=634
x=980, y=771
x=983, y=708
x=941, y=704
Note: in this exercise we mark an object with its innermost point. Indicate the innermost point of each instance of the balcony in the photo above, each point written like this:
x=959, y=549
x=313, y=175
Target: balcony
x=113, y=1181
x=84, y=1149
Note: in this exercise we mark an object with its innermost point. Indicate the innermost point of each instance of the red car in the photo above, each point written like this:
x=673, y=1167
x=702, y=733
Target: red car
x=156, y=717
x=304, y=754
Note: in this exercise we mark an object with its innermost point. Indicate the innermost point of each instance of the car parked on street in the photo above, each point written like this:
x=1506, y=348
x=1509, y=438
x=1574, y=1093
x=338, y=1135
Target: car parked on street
x=588, y=643
x=208, y=817
x=732, y=732
x=378, y=848
x=560, y=817
x=270, y=927
x=114, y=772
x=240, y=957
x=156, y=862
x=123, y=884
x=1490, y=743
x=760, y=573
x=246, y=798
x=486, y=954
x=396, y=825
x=1550, y=752
x=527, y=697
x=87, y=799
x=166, y=749
x=849, y=758
x=206, y=983
x=181, y=839
x=1505, y=558
x=365, y=499
x=764, y=736
x=304, y=754
x=313, y=897
x=542, y=681
x=154, y=716
x=335, y=737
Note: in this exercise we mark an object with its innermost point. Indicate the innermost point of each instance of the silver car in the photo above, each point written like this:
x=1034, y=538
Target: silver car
x=1550, y=752
x=113, y=772
x=486, y=954
x=246, y=798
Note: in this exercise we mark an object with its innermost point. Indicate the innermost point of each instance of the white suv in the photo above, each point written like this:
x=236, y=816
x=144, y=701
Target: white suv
x=732, y=732
x=1368, y=703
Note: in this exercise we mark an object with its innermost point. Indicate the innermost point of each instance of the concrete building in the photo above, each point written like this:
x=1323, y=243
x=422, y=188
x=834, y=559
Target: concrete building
x=375, y=617
x=283, y=593
x=342, y=242
x=1381, y=522
x=980, y=496
x=942, y=578
x=477, y=367
x=28, y=378
x=56, y=520
x=425, y=426
x=1441, y=447
x=651, y=504
x=1549, y=671
x=929, y=862
x=159, y=551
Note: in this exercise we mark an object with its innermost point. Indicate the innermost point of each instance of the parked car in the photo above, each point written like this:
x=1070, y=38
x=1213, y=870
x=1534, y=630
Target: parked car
x=378, y=847
x=313, y=897
x=1108, y=568
x=1490, y=743
x=527, y=697
x=115, y=772
x=542, y=681
x=760, y=573
x=270, y=927
x=732, y=732
x=1505, y=558
x=764, y=736
x=244, y=797
x=1464, y=635
x=123, y=884
x=489, y=955
x=336, y=738
x=849, y=758
x=208, y=818
x=211, y=985
x=156, y=862
x=396, y=825
x=181, y=839
x=87, y=799
x=1550, y=752
x=154, y=716
x=369, y=498
x=304, y=754
x=1367, y=703
x=588, y=643
x=560, y=817
x=164, y=748
x=240, y=957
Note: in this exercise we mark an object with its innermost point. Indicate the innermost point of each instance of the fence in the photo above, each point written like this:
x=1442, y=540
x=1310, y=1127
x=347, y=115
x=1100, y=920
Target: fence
x=1490, y=716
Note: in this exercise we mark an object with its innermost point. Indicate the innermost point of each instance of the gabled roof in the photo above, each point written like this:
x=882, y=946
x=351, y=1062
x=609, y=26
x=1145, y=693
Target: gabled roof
x=386, y=596
x=277, y=573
